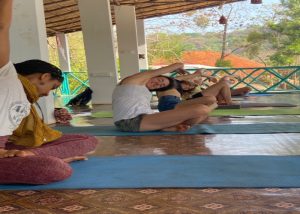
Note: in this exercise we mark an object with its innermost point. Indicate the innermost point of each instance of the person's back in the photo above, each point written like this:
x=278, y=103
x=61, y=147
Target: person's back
x=14, y=105
x=129, y=100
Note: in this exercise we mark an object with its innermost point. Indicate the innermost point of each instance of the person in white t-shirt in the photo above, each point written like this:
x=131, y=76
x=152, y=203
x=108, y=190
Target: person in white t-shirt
x=14, y=105
x=131, y=104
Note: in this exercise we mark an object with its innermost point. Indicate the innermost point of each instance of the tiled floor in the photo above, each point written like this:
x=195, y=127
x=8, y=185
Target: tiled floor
x=173, y=201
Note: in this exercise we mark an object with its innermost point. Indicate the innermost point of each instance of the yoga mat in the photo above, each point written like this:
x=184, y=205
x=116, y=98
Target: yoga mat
x=179, y=172
x=255, y=105
x=244, y=111
x=256, y=112
x=234, y=106
x=260, y=128
x=102, y=114
x=260, y=95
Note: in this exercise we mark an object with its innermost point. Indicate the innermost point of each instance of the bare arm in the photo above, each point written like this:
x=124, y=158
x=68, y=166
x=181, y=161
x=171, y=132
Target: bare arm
x=196, y=76
x=164, y=70
x=142, y=77
x=5, y=21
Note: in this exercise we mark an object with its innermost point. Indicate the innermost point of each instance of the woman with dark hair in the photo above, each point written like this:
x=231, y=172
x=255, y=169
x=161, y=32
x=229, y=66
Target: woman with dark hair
x=34, y=153
x=131, y=104
x=43, y=75
x=169, y=99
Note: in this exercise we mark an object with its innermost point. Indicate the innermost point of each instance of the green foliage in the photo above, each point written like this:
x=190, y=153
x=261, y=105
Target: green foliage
x=287, y=44
x=283, y=35
x=168, y=47
x=52, y=49
x=77, y=52
x=223, y=63
x=77, y=58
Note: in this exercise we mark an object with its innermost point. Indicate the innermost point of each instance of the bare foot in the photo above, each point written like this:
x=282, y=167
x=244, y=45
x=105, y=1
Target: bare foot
x=14, y=153
x=76, y=158
x=240, y=91
x=91, y=152
x=177, y=128
x=213, y=106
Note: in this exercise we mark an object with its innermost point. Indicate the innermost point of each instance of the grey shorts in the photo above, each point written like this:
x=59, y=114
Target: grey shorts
x=130, y=125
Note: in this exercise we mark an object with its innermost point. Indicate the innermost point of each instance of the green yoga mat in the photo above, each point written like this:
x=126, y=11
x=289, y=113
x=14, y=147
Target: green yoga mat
x=102, y=114
x=226, y=112
x=256, y=112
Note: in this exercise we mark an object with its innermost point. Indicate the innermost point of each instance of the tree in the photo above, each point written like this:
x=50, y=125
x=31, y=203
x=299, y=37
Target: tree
x=239, y=15
x=231, y=17
x=282, y=33
x=167, y=47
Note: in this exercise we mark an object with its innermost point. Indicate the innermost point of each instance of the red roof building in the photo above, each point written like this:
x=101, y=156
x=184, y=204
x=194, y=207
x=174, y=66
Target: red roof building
x=209, y=58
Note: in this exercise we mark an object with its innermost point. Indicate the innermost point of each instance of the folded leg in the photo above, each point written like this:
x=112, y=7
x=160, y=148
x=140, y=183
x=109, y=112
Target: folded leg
x=69, y=145
x=33, y=170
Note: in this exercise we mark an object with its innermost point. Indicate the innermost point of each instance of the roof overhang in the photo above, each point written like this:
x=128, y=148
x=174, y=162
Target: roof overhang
x=63, y=15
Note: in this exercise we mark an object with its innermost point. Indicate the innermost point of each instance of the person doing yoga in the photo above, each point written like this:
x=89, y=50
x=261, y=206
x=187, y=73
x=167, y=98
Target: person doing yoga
x=131, y=104
x=30, y=151
x=184, y=87
x=197, y=79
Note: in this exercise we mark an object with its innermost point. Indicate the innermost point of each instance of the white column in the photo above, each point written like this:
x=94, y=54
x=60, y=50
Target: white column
x=28, y=40
x=96, y=25
x=142, y=45
x=127, y=40
x=63, y=52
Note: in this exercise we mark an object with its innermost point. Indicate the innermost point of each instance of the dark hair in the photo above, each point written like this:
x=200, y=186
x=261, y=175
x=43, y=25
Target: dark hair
x=38, y=66
x=170, y=86
x=188, y=90
x=173, y=83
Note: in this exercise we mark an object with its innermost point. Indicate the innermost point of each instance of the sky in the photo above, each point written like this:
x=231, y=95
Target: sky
x=245, y=14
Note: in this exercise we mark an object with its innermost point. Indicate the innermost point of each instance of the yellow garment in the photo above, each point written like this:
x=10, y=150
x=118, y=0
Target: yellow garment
x=32, y=132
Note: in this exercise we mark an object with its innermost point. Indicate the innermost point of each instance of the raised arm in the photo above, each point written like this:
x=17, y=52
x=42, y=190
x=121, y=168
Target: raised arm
x=142, y=77
x=164, y=70
x=197, y=75
x=5, y=21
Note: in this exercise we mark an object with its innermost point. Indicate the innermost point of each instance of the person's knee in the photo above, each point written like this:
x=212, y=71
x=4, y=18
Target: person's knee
x=209, y=100
x=33, y=170
x=223, y=82
x=69, y=146
x=54, y=169
x=200, y=110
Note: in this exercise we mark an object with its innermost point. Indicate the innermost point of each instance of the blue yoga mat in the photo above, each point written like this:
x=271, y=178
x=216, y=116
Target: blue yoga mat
x=179, y=172
x=260, y=128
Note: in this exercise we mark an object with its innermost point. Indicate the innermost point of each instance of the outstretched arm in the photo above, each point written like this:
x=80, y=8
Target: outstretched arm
x=164, y=70
x=197, y=76
x=142, y=77
x=5, y=21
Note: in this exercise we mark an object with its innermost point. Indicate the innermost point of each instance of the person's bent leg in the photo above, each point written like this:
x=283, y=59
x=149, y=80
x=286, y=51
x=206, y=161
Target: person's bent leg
x=166, y=119
x=33, y=170
x=221, y=88
x=240, y=91
x=205, y=100
x=68, y=146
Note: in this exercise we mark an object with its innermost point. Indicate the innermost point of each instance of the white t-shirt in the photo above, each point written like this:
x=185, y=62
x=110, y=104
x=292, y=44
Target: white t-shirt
x=129, y=101
x=14, y=105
